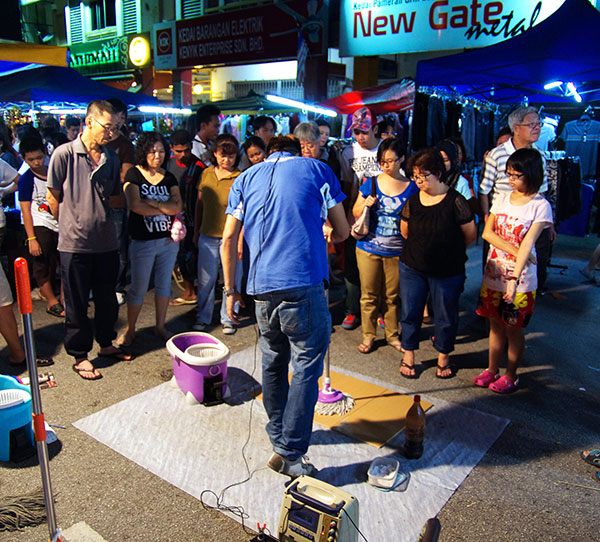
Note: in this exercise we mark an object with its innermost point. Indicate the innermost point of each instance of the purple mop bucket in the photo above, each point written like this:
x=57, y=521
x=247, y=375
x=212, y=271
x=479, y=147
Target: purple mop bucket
x=199, y=366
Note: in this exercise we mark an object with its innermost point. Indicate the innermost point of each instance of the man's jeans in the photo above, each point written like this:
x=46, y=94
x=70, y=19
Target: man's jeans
x=294, y=325
x=209, y=255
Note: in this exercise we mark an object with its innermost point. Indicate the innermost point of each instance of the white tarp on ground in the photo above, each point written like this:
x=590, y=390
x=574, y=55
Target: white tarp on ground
x=199, y=448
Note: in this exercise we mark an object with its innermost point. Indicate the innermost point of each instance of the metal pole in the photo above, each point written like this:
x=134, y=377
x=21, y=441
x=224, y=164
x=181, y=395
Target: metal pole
x=39, y=429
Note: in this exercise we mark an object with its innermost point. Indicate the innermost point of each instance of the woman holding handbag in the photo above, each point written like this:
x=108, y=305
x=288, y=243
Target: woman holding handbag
x=378, y=252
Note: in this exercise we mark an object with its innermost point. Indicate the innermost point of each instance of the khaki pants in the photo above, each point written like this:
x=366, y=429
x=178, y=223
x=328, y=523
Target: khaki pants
x=379, y=279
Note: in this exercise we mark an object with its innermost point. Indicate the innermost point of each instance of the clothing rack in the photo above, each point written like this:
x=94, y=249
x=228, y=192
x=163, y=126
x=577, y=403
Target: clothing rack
x=483, y=105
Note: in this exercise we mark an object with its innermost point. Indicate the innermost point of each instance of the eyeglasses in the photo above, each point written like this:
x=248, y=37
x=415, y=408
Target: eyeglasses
x=107, y=128
x=389, y=163
x=421, y=177
x=531, y=125
x=515, y=176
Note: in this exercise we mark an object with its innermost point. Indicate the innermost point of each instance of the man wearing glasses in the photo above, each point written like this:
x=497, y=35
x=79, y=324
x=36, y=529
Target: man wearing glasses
x=82, y=176
x=524, y=122
x=359, y=162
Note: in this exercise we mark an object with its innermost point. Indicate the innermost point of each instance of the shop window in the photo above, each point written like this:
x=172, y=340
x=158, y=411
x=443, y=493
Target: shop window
x=103, y=14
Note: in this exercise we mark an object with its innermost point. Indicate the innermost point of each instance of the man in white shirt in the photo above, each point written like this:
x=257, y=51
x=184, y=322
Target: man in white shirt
x=358, y=162
x=207, y=124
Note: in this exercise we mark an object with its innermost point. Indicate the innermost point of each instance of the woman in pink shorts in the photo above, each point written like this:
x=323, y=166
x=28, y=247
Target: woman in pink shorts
x=516, y=220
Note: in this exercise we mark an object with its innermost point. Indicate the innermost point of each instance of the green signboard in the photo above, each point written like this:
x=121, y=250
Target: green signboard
x=103, y=56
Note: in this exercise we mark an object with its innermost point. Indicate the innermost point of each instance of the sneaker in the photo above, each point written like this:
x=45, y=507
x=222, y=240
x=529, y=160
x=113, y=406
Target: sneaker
x=229, y=329
x=121, y=298
x=295, y=468
x=198, y=326
x=351, y=321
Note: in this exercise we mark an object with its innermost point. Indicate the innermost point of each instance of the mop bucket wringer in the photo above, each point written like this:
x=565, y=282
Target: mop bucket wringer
x=199, y=367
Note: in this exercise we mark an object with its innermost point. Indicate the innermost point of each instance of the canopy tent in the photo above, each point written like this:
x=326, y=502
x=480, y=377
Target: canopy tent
x=252, y=104
x=564, y=47
x=21, y=82
x=391, y=97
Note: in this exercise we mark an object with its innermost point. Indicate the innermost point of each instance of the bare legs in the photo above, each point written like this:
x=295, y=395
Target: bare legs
x=8, y=329
x=161, y=305
x=499, y=334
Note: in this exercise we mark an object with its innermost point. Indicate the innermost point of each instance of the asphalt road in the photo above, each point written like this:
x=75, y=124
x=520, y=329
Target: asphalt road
x=527, y=487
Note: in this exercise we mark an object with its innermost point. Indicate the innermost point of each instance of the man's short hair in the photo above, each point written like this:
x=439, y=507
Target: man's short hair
x=97, y=108
x=307, y=131
x=118, y=105
x=181, y=137
x=71, y=121
x=323, y=122
x=31, y=144
x=261, y=120
x=517, y=116
x=504, y=131
x=205, y=114
x=287, y=143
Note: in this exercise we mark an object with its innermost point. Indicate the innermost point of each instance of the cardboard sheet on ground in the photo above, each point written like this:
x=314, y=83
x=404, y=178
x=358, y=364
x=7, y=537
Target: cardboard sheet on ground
x=197, y=448
x=378, y=414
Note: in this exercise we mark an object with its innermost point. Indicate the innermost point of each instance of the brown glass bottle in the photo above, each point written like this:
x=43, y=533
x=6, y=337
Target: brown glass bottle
x=414, y=432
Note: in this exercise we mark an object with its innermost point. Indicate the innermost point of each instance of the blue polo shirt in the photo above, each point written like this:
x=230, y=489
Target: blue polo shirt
x=283, y=203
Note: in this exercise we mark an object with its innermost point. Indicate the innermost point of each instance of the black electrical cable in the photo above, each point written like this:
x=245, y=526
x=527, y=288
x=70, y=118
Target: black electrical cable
x=355, y=525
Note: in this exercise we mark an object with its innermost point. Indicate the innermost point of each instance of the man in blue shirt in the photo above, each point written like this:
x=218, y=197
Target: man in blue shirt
x=283, y=204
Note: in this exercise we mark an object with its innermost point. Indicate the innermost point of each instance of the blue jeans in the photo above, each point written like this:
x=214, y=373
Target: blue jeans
x=294, y=325
x=209, y=257
x=445, y=292
x=157, y=254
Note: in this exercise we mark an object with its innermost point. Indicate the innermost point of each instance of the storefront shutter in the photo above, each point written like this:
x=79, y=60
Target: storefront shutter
x=191, y=8
x=75, y=24
x=130, y=16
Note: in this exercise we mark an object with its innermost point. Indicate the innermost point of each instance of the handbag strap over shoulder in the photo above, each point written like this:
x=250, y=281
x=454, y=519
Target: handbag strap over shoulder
x=374, y=185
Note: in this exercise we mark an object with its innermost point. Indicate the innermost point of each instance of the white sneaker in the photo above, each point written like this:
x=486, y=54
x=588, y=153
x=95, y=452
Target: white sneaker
x=229, y=329
x=121, y=298
x=295, y=468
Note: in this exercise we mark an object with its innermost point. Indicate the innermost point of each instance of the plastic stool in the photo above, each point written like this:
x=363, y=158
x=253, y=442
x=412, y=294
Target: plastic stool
x=15, y=413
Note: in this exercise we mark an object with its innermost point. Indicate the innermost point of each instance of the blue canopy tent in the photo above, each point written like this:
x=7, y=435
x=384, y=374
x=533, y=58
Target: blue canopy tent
x=565, y=47
x=21, y=82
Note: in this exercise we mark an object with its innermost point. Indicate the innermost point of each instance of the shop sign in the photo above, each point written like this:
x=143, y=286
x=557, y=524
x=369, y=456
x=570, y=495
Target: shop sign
x=246, y=36
x=165, y=54
x=379, y=27
x=110, y=55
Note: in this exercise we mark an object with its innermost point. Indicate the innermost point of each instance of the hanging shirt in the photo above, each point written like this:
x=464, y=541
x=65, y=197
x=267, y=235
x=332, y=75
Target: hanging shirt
x=582, y=137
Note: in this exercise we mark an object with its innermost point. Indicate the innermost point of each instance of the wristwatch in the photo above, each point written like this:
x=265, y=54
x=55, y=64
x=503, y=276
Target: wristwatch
x=228, y=291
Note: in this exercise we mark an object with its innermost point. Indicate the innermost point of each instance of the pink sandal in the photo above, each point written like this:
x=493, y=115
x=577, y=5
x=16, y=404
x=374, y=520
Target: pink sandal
x=485, y=379
x=504, y=385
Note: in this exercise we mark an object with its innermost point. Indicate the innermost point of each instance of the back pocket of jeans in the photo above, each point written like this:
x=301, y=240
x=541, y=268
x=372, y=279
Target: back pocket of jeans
x=294, y=317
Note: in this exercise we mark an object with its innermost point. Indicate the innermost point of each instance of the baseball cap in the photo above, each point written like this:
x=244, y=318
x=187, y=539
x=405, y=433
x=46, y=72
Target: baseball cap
x=362, y=120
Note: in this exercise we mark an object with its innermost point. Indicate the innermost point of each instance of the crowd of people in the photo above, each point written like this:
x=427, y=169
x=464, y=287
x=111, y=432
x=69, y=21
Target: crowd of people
x=104, y=216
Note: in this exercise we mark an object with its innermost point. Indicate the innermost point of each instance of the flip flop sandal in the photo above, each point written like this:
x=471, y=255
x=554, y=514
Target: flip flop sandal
x=79, y=371
x=485, y=379
x=402, y=364
x=504, y=385
x=181, y=301
x=365, y=348
x=592, y=457
x=40, y=362
x=56, y=310
x=440, y=368
x=397, y=345
x=118, y=354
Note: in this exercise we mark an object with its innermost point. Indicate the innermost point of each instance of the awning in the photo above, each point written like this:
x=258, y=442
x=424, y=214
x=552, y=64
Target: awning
x=388, y=98
x=27, y=53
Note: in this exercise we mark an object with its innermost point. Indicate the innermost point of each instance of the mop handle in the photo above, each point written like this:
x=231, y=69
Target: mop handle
x=23, y=287
x=326, y=370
